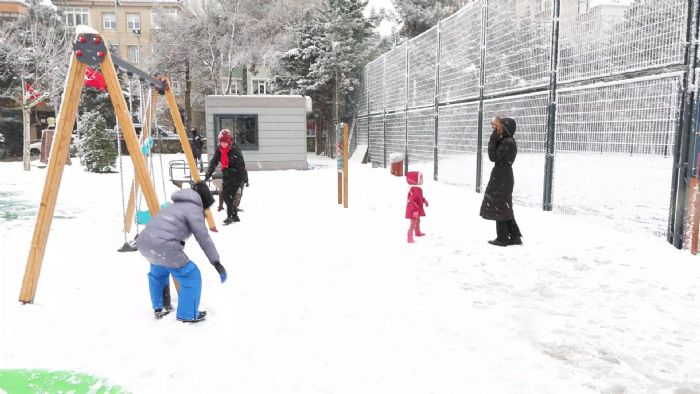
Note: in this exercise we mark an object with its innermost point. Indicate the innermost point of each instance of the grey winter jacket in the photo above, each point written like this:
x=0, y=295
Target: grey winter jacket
x=162, y=241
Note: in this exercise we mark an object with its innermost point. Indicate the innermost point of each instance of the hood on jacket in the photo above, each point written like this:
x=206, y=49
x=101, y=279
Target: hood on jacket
x=414, y=178
x=508, y=125
x=187, y=195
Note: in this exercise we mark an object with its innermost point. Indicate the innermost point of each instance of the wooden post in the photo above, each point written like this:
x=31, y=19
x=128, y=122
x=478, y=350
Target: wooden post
x=66, y=120
x=145, y=133
x=184, y=141
x=132, y=143
x=340, y=187
x=694, y=207
x=345, y=165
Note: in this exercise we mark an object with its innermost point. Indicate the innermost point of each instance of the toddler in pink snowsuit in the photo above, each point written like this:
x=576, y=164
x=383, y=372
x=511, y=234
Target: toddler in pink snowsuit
x=414, y=203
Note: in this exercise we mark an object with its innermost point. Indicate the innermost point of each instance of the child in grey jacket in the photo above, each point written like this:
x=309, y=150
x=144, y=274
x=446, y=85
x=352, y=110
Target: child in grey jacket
x=162, y=243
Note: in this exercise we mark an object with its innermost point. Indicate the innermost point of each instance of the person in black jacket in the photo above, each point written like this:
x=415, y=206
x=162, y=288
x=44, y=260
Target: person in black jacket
x=233, y=172
x=196, y=144
x=498, y=197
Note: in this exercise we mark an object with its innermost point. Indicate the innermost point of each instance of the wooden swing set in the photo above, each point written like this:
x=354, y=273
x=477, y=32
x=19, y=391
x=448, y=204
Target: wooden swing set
x=90, y=49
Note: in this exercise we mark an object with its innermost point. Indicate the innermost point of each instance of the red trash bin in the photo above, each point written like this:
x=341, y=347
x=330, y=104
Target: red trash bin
x=396, y=164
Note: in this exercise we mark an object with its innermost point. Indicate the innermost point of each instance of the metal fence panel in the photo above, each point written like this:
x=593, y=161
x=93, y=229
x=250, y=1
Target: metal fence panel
x=395, y=136
x=530, y=115
x=376, y=140
x=421, y=136
x=600, y=39
x=362, y=131
x=395, y=79
x=457, y=143
x=376, y=86
x=460, y=54
x=614, y=150
x=518, y=44
x=361, y=94
x=422, y=61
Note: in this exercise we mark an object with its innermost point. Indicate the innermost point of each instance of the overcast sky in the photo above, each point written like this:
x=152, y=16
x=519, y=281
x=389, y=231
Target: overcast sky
x=384, y=27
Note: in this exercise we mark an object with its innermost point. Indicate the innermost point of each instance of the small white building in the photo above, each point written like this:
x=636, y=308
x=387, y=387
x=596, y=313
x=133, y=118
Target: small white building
x=269, y=129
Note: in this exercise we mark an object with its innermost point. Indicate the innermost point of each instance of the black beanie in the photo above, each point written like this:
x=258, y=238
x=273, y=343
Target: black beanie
x=508, y=125
x=204, y=193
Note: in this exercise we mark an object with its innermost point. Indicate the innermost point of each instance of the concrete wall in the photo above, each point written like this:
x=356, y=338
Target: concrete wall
x=281, y=129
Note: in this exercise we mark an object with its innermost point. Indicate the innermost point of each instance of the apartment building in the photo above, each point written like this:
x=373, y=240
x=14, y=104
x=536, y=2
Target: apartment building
x=126, y=24
x=12, y=9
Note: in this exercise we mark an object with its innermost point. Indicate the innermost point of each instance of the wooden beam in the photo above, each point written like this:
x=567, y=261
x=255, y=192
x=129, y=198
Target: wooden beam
x=127, y=127
x=54, y=173
x=345, y=164
x=184, y=141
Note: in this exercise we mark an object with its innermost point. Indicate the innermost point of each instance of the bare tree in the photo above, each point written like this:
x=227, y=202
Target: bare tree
x=34, y=50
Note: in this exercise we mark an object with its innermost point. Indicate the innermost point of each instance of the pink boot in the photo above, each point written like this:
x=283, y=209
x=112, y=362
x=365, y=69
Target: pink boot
x=410, y=236
x=418, y=233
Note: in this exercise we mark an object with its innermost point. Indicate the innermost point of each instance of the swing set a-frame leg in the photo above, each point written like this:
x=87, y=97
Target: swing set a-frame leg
x=64, y=129
x=185, y=143
x=91, y=48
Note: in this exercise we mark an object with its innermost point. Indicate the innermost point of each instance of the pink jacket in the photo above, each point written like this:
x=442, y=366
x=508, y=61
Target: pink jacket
x=415, y=202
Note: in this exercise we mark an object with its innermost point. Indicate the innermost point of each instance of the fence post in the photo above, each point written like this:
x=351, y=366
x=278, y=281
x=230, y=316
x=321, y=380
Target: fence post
x=408, y=70
x=682, y=145
x=482, y=79
x=384, y=109
x=551, y=110
x=437, y=102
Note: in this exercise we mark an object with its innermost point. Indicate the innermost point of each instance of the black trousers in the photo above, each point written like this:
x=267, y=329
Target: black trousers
x=229, y=193
x=507, y=230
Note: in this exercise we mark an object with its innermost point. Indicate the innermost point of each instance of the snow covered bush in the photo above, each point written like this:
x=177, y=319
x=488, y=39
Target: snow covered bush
x=97, y=150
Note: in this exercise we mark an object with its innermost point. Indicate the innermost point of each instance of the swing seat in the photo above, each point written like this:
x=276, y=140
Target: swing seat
x=143, y=217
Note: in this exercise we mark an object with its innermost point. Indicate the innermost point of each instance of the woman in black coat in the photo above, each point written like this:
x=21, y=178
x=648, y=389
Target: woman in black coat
x=233, y=172
x=498, y=197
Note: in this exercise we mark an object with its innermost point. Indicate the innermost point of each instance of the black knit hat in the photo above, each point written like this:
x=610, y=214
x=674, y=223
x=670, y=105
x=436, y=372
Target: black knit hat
x=204, y=193
x=508, y=125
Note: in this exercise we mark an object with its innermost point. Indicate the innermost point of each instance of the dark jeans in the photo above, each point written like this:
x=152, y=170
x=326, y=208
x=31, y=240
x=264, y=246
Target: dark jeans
x=507, y=230
x=229, y=194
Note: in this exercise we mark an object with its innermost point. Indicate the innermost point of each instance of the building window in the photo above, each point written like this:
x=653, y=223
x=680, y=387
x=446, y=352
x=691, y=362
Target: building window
x=260, y=86
x=133, y=22
x=235, y=85
x=132, y=53
x=76, y=16
x=243, y=126
x=175, y=86
x=159, y=16
x=109, y=21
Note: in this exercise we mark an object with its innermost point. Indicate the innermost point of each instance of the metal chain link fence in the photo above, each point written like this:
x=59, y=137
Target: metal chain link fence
x=602, y=93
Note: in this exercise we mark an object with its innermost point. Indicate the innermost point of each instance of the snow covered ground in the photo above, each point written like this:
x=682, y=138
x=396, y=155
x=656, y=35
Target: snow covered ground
x=322, y=299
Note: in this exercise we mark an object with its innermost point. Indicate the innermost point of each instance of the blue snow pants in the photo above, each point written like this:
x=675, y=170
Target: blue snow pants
x=190, y=288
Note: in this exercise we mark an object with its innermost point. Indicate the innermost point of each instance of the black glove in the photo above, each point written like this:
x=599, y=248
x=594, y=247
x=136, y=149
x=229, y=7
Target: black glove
x=247, y=184
x=221, y=270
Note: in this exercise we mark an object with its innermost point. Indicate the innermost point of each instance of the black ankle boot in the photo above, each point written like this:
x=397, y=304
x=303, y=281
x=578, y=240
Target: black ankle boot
x=499, y=242
x=515, y=241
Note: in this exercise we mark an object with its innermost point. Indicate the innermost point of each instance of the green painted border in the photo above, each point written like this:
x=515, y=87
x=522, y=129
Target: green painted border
x=21, y=381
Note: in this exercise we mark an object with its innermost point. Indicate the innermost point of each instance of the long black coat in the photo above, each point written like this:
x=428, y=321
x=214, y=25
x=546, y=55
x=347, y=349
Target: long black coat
x=236, y=172
x=498, y=197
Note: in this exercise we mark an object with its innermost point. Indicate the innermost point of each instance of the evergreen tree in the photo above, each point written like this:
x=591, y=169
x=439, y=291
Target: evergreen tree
x=97, y=147
x=417, y=16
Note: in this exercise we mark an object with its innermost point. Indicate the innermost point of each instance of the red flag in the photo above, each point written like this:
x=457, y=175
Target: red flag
x=30, y=93
x=95, y=80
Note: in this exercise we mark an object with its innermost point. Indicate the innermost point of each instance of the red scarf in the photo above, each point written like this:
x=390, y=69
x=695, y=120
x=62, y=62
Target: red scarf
x=224, y=156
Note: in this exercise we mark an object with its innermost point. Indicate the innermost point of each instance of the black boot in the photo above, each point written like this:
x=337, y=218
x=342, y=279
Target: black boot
x=502, y=234
x=228, y=220
x=235, y=217
x=514, y=233
x=200, y=317
x=160, y=312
